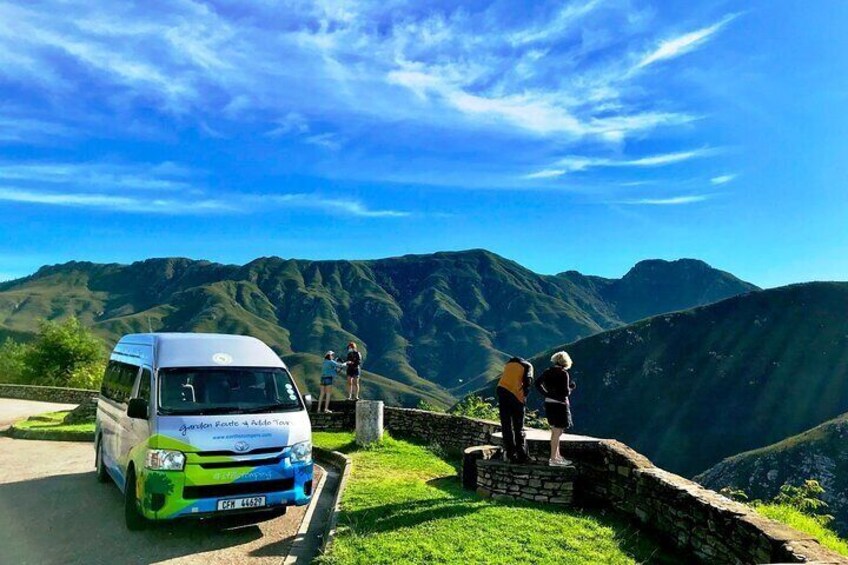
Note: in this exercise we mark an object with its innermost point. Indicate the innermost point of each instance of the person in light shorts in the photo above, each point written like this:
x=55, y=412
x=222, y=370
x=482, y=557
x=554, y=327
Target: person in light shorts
x=328, y=372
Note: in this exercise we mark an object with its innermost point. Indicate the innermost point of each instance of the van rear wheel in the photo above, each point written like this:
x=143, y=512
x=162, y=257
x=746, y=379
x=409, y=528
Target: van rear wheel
x=102, y=475
x=132, y=515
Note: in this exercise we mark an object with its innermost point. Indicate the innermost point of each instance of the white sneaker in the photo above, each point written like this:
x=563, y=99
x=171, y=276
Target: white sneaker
x=559, y=462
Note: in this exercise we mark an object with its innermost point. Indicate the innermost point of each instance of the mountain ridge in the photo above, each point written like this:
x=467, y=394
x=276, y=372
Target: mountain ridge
x=690, y=388
x=819, y=453
x=438, y=324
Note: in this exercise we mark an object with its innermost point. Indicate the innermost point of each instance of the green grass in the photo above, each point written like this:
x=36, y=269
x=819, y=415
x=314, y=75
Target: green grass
x=404, y=504
x=49, y=426
x=808, y=525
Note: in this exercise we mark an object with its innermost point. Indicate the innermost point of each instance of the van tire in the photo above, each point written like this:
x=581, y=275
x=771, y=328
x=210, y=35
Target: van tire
x=135, y=521
x=100, y=468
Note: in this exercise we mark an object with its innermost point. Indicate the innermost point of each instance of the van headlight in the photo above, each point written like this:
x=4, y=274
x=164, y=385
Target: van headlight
x=165, y=460
x=301, y=452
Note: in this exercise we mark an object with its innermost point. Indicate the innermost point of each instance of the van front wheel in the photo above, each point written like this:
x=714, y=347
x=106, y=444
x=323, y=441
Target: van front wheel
x=102, y=475
x=132, y=515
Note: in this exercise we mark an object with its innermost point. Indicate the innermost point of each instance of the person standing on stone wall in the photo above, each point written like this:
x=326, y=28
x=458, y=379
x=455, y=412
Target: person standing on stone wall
x=556, y=386
x=513, y=388
x=354, y=371
x=328, y=370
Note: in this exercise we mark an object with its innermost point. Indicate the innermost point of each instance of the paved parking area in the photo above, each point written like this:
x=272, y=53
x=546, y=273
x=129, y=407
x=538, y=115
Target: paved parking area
x=53, y=510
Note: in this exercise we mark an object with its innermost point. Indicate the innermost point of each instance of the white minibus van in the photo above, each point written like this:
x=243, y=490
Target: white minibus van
x=201, y=425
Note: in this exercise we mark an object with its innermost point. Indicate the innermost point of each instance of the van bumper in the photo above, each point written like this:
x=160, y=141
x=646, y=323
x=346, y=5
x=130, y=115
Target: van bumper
x=195, y=492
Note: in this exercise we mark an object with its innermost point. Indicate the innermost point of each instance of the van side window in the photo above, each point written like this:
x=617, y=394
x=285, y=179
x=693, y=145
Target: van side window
x=109, y=381
x=118, y=381
x=144, y=385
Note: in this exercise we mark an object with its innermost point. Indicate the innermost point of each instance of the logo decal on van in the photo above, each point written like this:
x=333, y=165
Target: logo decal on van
x=222, y=359
x=241, y=446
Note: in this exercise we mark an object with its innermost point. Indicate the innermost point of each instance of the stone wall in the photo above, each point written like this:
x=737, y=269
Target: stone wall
x=451, y=433
x=696, y=520
x=85, y=412
x=333, y=422
x=506, y=481
x=47, y=393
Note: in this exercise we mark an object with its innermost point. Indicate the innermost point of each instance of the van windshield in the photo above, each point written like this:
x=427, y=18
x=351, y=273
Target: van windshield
x=196, y=391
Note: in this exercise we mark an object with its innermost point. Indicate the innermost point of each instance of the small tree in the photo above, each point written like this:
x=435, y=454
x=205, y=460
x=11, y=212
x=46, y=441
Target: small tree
x=12, y=361
x=805, y=498
x=64, y=354
x=473, y=406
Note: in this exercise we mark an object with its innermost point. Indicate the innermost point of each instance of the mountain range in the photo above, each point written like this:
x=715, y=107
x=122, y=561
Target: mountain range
x=691, y=388
x=430, y=326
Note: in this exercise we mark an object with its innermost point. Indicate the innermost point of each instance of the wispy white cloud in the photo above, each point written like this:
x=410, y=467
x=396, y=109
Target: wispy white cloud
x=293, y=123
x=191, y=58
x=546, y=174
x=330, y=73
x=677, y=46
x=163, y=176
x=114, y=203
x=672, y=201
x=31, y=130
x=564, y=20
x=723, y=179
x=329, y=141
x=334, y=205
x=577, y=163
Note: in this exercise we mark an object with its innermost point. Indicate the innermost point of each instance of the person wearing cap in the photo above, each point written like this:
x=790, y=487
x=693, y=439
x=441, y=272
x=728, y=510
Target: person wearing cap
x=354, y=369
x=328, y=372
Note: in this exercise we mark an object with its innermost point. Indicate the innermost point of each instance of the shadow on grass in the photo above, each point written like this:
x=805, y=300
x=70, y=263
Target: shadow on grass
x=390, y=517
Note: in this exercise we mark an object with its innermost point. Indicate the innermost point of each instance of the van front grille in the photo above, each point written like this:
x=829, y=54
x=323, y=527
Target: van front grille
x=260, y=451
x=248, y=463
x=237, y=489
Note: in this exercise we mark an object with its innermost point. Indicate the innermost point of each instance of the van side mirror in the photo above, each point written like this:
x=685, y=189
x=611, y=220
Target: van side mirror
x=137, y=408
x=307, y=400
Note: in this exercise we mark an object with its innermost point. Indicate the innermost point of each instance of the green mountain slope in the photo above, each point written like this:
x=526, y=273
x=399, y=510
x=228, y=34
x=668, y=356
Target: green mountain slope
x=820, y=453
x=431, y=326
x=691, y=388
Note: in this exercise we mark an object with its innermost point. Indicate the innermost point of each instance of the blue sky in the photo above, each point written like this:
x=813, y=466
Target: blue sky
x=565, y=135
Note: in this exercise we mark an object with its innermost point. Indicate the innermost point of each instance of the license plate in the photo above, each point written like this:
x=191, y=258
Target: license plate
x=241, y=503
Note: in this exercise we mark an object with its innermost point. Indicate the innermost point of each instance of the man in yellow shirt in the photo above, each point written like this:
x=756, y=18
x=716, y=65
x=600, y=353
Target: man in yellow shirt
x=513, y=388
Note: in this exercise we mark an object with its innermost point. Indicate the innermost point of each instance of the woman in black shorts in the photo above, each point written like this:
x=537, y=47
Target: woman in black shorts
x=354, y=370
x=555, y=385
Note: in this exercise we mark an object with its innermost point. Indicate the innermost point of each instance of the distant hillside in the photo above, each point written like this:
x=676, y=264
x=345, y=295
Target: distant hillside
x=691, y=388
x=820, y=453
x=432, y=326
x=653, y=287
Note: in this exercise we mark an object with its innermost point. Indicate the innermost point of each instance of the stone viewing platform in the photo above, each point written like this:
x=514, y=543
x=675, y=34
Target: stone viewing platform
x=500, y=480
x=539, y=443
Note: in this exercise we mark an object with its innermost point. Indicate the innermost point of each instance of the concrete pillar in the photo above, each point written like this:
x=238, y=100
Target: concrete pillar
x=369, y=421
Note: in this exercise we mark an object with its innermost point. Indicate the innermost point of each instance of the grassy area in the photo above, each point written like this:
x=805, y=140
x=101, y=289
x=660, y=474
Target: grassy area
x=799, y=521
x=50, y=426
x=404, y=504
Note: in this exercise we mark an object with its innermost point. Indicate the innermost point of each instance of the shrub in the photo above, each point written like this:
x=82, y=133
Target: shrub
x=64, y=354
x=12, y=362
x=424, y=405
x=805, y=498
x=472, y=406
